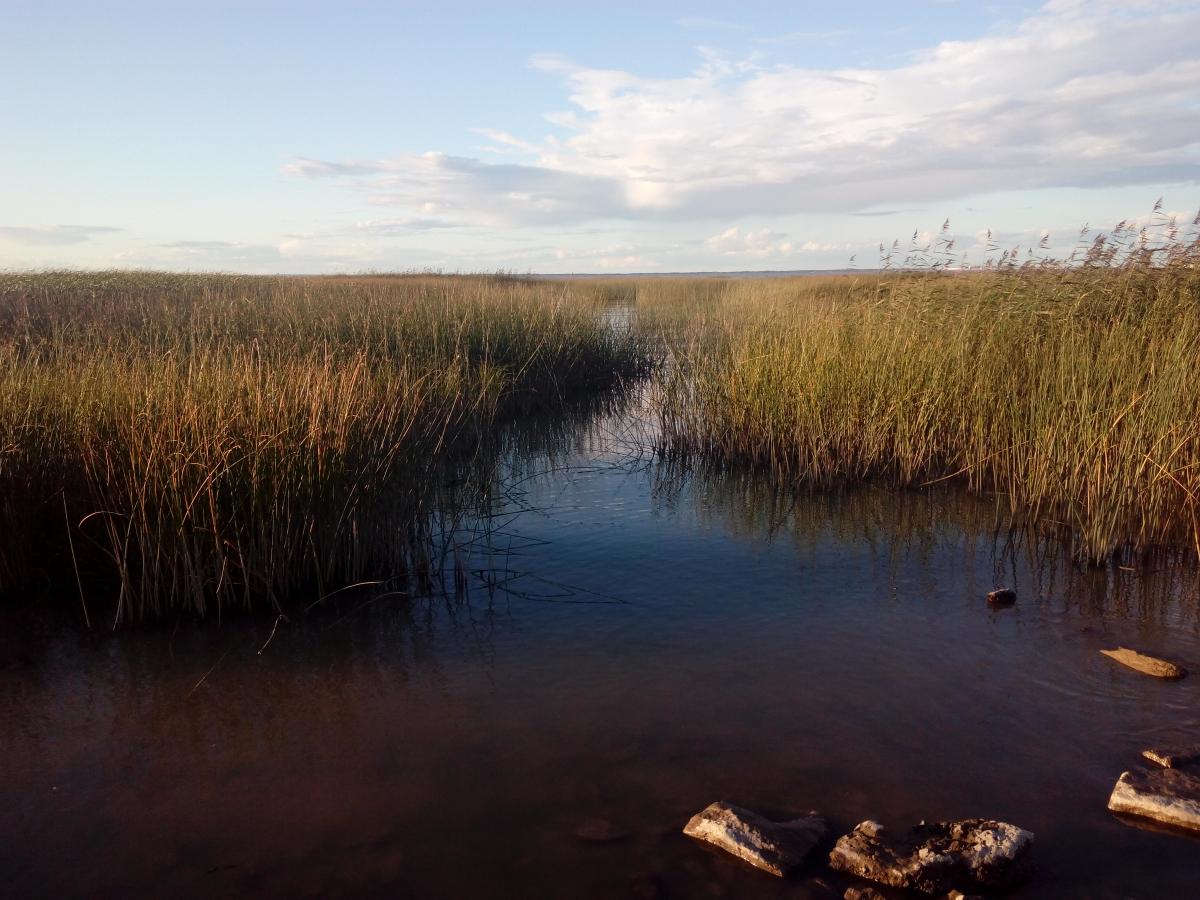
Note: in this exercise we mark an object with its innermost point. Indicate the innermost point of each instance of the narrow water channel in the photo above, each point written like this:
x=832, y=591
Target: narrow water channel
x=629, y=644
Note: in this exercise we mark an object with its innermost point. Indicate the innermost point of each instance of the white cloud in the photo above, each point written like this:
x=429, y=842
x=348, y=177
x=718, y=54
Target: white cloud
x=506, y=140
x=825, y=247
x=759, y=244
x=766, y=243
x=297, y=252
x=1078, y=94
x=54, y=235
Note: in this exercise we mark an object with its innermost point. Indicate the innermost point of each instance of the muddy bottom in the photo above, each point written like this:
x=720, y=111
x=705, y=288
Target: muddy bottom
x=632, y=645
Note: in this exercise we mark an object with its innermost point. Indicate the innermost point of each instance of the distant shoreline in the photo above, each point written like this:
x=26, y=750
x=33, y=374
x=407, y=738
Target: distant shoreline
x=748, y=273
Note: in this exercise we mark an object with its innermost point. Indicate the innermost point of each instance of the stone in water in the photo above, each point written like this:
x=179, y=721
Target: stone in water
x=1002, y=597
x=1165, y=795
x=1173, y=757
x=599, y=831
x=775, y=847
x=1148, y=665
x=939, y=857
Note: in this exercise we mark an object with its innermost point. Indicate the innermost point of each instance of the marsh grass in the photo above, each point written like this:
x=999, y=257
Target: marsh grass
x=206, y=442
x=1069, y=389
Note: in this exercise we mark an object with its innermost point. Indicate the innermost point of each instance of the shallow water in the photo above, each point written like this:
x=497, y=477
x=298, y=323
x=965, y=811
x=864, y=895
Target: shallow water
x=632, y=644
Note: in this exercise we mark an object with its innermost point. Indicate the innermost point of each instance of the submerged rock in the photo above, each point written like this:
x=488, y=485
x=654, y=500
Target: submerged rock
x=1173, y=757
x=1165, y=795
x=1147, y=665
x=939, y=857
x=645, y=886
x=775, y=847
x=1002, y=597
x=600, y=831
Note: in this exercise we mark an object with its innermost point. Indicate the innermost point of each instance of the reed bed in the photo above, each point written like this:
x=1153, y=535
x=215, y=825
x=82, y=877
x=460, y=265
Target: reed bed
x=205, y=442
x=1069, y=389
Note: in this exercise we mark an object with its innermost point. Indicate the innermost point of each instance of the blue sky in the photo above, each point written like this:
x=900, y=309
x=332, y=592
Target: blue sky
x=318, y=137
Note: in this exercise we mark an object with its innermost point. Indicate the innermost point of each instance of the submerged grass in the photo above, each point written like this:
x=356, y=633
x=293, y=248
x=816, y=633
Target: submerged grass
x=198, y=442
x=1070, y=390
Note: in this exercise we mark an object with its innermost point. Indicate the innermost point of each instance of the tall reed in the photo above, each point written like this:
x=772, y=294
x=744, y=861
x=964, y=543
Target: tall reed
x=1069, y=389
x=200, y=442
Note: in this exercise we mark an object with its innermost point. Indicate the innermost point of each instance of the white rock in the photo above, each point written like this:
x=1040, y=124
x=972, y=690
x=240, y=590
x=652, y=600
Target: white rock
x=1165, y=795
x=775, y=847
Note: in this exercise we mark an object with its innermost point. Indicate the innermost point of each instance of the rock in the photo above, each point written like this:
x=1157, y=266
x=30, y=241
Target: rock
x=599, y=831
x=939, y=857
x=1165, y=795
x=1002, y=597
x=1149, y=665
x=775, y=847
x=1173, y=757
x=645, y=886
x=862, y=893
x=959, y=895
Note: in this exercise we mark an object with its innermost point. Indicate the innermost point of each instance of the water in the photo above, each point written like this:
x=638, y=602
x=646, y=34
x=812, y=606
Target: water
x=632, y=644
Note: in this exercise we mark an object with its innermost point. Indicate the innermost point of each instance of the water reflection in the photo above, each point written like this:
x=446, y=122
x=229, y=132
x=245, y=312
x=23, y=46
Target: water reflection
x=608, y=636
x=915, y=526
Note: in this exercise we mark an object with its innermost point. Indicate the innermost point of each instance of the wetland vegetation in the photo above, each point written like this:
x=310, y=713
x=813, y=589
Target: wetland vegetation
x=200, y=442
x=624, y=533
x=207, y=442
x=1070, y=392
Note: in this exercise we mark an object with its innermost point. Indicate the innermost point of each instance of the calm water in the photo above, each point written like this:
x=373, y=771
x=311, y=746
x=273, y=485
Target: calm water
x=631, y=646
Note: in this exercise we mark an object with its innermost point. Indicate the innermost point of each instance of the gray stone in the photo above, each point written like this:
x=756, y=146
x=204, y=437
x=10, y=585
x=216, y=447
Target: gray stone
x=775, y=847
x=939, y=857
x=1173, y=757
x=1165, y=795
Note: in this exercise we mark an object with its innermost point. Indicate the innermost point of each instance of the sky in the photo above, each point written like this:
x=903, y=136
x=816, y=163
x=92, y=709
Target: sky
x=570, y=137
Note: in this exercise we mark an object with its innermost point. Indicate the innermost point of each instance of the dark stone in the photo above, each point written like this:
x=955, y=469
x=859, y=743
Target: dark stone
x=1002, y=597
x=645, y=886
x=820, y=889
x=599, y=831
x=862, y=893
x=938, y=857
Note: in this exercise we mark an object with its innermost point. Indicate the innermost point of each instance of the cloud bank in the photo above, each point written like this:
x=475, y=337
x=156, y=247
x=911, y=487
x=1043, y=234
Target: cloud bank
x=1077, y=94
